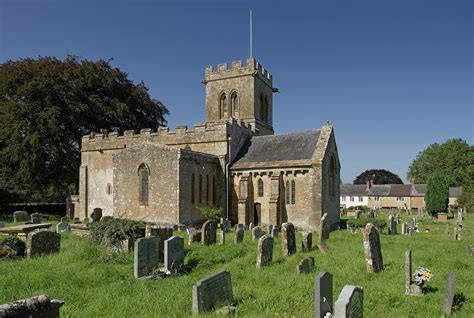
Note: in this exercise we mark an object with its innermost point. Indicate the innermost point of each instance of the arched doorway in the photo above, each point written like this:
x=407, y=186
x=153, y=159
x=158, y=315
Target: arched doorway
x=257, y=213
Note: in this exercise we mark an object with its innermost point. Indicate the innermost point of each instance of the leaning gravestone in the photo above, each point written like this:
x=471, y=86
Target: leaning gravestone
x=174, y=253
x=209, y=233
x=372, y=249
x=324, y=229
x=145, y=256
x=305, y=266
x=323, y=295
x=323, y=248
x=38, y=306
x=288, y=241
x=61, y=227
x=96, y=215
x=392, y=223
x=350, y=302
x=211, y=291
x=449, y=293
x=238, y=236
x=411, y=289
x=42, y=242
x=257, y=232
x=265, y=251
x=307, y=242
x=20, y=216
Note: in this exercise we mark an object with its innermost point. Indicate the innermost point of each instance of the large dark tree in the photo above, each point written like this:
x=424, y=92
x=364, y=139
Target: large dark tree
x=453, y=159
x=47, y=105
x=379, y=176
x=437, y=194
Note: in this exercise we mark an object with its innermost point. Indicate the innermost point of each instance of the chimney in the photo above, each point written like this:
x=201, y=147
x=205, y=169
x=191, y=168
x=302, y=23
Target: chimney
x=368, y=185
x=371, y=183
x=412, y=181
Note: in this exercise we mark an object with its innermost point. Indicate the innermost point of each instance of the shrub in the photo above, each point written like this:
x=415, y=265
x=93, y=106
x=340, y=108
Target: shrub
x=211, y=213
x=110, y=231
x=11, y=247
x=437, y=194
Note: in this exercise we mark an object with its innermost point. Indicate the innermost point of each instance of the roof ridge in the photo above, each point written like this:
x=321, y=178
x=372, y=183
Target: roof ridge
x=289, y=133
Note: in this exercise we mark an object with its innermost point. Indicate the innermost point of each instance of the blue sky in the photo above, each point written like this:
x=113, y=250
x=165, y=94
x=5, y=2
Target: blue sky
x=392, y=76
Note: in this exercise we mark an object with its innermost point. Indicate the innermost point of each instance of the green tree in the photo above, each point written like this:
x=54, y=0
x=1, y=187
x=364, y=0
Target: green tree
x=47, y=105
x=379, y=176
x=437, y=194
x=453, y=158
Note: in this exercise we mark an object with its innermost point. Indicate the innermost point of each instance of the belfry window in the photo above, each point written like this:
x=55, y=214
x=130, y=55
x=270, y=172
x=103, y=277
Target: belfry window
x=293, y=192
x=235, y=104
x=143, y=174
x=223, y=106
x=260, y=187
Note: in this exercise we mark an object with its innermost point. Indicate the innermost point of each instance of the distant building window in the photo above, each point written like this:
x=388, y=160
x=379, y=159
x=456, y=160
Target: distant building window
x=352, y=199
x=343, y=199
x=143, y=174
x=192, y=188
x=200, y=189
x=235, y=104
x=361, y=199
x=260, y=188
x=108, y=189
x=293, y=192
x=287, y=192
x=400, y=198
x=376, y=198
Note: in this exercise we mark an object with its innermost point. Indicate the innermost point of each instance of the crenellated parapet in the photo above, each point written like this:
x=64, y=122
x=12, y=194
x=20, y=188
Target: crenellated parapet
x=237, y=69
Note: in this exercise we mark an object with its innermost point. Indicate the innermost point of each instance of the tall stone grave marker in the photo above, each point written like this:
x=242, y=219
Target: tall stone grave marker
x=449, y=293
x=209, y=229
x=42, y=242
x=392, y=223
x=238, y=235
x=145, y=256
x=265, y=251
x=404, y=228
x=305, y=266
x=372, y=249
x=323, y=295
x=36, y=218
x=257, y=232
x=411, y=289
x=250, y=226
x=222, y=236
x=288, y=240
x=275, y=232
x=323, y=228
x=350, y=302
x=307, y=242
x=174, y=253
x=212, y=290
x=61, y=227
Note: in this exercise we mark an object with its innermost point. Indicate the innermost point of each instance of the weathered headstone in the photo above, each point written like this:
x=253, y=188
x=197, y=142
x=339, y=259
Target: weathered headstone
x=222, y=237
x=163, y=234
x=250, y=226
x=324, y=229
x=209, y=232
x=211, y=291
x=350, y=302
x=61, y=227
x=404, y=228
x=471, y=250
x=372, y=249
x=392, y=225
x=64, y=219
x=446, y=229
x=305, y=266
x=265, y=251
x=457, y=233
x=238, y=236
x=307, y=241
x=449, y=293
x=409, y=231
x=174, y=253
x=77, y=220
x=411, y=289
x=38, y=306
x=194, y=237
x=145, y=256
x=20, y=216
x=96, y=215
x=275, y=232
x=323, y=295
x=288, y=241
x=270, y=229
x=257, y=232
x=42, y=242
x=323, y=247
x=443, y=217
x=36, y=218
x=239, y=226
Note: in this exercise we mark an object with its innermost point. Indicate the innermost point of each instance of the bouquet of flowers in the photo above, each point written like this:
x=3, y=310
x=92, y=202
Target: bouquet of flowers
x=422, y=275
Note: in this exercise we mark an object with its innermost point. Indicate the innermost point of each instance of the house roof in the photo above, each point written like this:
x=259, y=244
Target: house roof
x=353, y=189
x=379, y=190
x=400, y=190
x=455, y=191
x=285, y=147
x=391, y=190
x=418, y=190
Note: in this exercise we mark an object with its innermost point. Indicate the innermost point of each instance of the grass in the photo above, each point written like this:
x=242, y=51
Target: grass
x=93, y=283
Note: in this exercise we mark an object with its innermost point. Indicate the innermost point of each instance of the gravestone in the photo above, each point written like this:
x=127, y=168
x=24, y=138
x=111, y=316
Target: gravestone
x=275, y=232
x=20, y=216
x=409, y=231
x=443, y=217
x=305, y=266
x=38, y=306
x=77, y=220
x=323, y=247
x=446, y=229
x=174, y=253
x=324, y=229
x=265, y=251
x=307, y=241
x=288, y=241
x=404, y=228
x=372, y=249
x=64, y=219
x=194, y=237
x=471, y=250
x=42, y=242
x=61, y=227
x=457, y=233
x=257, y=232
x=209, y=232
x=411, y=289
x=96, y=215
x=126, y=245
x=238, y=236
x=145, y=256
x=222, y=236
x=211, y=291
x=163, y=234
x=270, y=229
x=239, y=226
x=449, y=293
x=392, y=225
x=36, y=218
x=350, y=302
x=191, y=230
x=250, y=226
x=323, y=295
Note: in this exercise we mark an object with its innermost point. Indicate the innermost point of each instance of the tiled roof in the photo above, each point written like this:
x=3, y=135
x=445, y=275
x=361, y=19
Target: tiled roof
x=455, y=191
x=379, y=190
x=400, y=190
x=393, y=190
x=353, y=189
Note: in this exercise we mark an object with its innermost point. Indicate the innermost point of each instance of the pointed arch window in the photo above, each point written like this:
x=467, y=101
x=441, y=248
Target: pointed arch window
x=143, y=174
x=223, y=105
x=260, y=188
x=192, y=188
x=287, y=192
x=293, y=192
x=235, y=104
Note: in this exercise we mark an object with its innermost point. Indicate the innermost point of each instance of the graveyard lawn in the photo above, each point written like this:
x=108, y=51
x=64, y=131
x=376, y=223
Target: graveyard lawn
x=93, y=282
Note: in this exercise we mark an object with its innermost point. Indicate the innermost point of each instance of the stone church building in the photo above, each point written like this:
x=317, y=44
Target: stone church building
x=164, y=176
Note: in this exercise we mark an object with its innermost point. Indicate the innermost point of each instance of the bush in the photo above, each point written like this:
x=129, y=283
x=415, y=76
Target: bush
x=110, y=231
x=11, y=247
x=211, y=213
x=359, y=223
x=437, y=194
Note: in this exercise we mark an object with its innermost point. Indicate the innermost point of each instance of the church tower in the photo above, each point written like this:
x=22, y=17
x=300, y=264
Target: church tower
x=240, y=92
